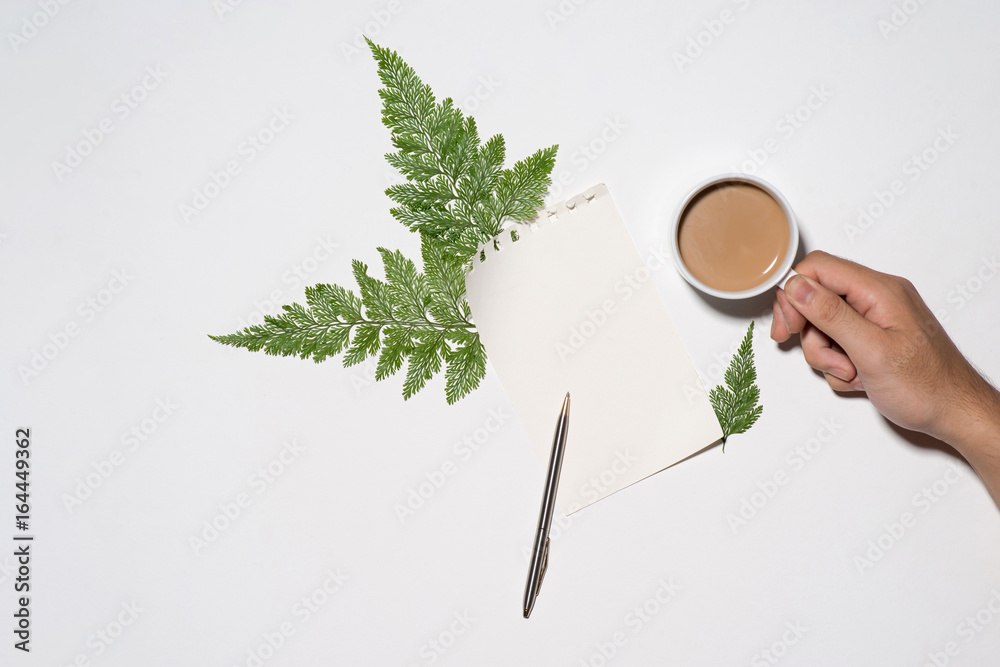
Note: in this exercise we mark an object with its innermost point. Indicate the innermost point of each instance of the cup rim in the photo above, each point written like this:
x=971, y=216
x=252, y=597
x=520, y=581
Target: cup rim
x=786, y=263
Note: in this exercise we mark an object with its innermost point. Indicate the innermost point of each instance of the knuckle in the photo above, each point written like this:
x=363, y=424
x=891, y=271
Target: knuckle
x=903, y=288
x=815, y=352
x=830, y=310
x=811, y=355
x=812, y=257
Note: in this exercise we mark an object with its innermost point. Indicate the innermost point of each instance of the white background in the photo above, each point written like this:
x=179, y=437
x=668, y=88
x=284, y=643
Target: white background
x=557, y=74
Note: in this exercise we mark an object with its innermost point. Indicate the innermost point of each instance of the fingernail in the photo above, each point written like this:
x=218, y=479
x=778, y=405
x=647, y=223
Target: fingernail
x=839, y=374
x=799, y=289
x=784, y=317
x=858, y=385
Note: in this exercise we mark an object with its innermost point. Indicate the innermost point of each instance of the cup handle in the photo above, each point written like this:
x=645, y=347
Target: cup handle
x=791, y=272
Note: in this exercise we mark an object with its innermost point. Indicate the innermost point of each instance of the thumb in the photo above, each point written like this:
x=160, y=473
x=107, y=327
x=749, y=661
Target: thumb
x=829, y=313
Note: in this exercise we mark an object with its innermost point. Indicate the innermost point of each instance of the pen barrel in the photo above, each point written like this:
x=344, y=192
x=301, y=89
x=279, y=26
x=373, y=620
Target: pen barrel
x=555, y=468
x=540, y=550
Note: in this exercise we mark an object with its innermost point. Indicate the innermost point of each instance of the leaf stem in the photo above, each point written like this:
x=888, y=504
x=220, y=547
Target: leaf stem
x=408, y=324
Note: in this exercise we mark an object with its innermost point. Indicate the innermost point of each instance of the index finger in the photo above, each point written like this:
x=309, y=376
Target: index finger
x=861, y=287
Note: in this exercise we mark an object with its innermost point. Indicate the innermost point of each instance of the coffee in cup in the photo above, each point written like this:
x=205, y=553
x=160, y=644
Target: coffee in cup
x=734, y=236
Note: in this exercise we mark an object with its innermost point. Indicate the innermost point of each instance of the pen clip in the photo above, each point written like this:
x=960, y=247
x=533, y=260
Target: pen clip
x=545, y=565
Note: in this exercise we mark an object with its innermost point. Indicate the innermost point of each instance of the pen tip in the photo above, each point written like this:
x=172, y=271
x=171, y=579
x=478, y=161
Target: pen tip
x=527, y=612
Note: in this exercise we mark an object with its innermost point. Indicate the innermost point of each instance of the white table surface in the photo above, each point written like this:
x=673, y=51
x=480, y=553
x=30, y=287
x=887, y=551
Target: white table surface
x=317, y=561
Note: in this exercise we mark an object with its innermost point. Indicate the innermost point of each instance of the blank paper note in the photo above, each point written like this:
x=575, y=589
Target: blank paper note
x=571, y=307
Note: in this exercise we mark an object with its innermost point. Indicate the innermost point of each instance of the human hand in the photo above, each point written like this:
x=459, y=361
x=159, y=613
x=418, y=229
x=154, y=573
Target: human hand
x=870, y=331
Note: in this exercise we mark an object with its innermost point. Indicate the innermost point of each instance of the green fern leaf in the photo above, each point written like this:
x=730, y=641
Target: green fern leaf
x=458, y=193
x=457, y=196
x=736, y=403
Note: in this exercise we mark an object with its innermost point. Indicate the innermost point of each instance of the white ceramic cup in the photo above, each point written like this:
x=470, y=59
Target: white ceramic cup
x=784, y=271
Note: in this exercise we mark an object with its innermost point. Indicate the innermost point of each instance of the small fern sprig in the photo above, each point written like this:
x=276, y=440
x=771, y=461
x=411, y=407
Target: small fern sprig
x=736, y=403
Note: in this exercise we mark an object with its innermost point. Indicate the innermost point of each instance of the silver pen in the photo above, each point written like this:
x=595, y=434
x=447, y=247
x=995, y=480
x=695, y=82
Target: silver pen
x=540, y=552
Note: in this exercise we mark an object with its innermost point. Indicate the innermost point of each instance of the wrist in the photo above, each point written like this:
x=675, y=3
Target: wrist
x=972, y=426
